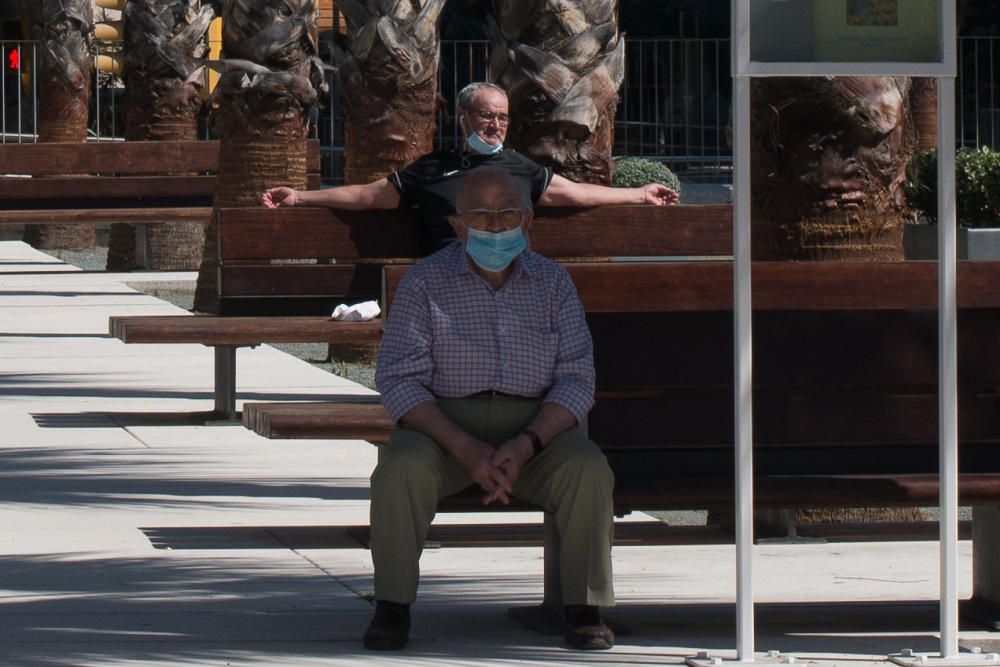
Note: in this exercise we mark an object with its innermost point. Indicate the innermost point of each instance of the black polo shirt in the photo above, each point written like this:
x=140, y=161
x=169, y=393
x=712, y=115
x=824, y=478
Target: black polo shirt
x=431, y=184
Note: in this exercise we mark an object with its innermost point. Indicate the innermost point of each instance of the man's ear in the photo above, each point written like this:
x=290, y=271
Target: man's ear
x=456, y=225
x=529, y=215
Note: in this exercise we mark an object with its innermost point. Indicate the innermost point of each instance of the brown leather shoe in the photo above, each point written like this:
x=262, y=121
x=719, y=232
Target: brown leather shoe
x=586, y=630
x=389, y=629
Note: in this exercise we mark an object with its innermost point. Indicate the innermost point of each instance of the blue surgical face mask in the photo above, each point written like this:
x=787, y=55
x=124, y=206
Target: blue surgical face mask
x=479, y=145
x=494, y=251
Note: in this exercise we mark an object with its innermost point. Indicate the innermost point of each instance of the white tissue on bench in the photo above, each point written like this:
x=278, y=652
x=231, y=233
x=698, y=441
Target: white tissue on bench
x=359, y=312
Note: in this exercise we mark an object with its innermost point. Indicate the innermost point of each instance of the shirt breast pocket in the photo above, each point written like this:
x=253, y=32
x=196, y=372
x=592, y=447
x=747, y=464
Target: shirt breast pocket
x=533, y=358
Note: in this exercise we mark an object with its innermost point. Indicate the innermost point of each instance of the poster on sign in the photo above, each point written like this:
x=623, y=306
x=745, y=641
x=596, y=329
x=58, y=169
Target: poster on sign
x=845, y=31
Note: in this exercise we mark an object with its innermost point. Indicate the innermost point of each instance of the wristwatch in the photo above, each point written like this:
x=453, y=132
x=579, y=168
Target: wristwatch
x=536, y=442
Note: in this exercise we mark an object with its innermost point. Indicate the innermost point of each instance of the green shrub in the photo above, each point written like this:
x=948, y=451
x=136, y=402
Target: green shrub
x=632, y=172
x=977, y=186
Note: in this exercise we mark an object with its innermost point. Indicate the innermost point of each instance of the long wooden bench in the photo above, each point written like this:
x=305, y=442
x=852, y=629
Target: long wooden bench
x=281, y=272
x=845, y=376
x=100, y=183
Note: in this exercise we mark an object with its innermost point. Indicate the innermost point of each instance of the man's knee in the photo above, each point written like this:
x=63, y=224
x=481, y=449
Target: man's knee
x=408, y=459
x=584, y=460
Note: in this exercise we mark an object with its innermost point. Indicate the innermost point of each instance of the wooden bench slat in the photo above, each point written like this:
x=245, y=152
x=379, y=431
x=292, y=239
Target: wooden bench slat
x=318, y=280
x=123, y=157
x=107, y=216
x=308, y=233
x=241, y=331
x=350, y=421
x=609, y=287
x=886, y=349
x=855, y=416
x=803, y=491
x=96, y=191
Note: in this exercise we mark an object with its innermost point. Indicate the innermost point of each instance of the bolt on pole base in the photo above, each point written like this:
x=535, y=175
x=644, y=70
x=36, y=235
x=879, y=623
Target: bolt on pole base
x=703, y=659
x=976, y=658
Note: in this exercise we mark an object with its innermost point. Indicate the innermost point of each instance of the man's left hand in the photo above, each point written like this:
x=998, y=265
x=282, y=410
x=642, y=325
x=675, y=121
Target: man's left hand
x=657, y=194
x=510, y=457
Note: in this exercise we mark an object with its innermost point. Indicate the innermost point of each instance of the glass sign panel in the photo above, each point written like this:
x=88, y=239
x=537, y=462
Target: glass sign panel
x=829, y=31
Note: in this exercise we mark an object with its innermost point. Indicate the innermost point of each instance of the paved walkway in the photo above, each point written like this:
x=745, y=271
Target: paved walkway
x=131, y=534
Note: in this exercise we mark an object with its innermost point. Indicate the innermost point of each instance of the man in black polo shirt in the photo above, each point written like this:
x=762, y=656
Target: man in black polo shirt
x=431, y=183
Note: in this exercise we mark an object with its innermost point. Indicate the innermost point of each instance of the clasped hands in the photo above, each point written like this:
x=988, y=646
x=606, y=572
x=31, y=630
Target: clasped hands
x=496, y=470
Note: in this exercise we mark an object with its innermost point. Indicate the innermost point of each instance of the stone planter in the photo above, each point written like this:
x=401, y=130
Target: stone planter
x=920, y=242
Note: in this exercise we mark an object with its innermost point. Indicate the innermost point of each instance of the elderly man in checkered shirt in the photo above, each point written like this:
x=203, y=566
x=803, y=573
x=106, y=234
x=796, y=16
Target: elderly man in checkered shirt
x=487, y=367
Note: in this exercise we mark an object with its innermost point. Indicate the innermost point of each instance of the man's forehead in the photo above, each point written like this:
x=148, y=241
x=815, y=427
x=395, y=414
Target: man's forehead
x=490, y=96
x=501, y=193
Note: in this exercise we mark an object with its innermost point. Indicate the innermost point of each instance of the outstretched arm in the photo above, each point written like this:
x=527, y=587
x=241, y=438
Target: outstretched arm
x=380, y=194
x=564, y=192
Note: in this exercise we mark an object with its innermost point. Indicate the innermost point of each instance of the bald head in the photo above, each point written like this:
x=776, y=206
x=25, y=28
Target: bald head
x=483, y=187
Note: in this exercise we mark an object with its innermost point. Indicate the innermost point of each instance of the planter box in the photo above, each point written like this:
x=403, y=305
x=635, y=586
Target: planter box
x=920, y=242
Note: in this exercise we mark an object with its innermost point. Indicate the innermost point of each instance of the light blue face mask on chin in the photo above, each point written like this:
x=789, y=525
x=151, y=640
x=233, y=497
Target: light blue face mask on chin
x=479, y=145
x=494, y=251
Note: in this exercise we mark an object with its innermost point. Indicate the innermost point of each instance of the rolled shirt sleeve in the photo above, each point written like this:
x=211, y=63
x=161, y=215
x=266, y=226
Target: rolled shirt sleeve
x=404, y=367
x=573, y=376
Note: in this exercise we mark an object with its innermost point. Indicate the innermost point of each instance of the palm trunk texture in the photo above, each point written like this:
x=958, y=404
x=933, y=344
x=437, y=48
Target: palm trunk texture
x=64, y=78
x=270, y=80
x=388, y=66
x=562, y=63
x=828, y=165
x=163, y=82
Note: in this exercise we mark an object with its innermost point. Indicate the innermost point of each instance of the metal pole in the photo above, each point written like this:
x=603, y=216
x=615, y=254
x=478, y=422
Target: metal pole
x=742, y=338
x=947, y=367
x=743, y=373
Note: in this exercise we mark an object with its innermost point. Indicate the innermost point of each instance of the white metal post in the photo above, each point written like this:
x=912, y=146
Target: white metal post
x=743, y=372
x=947, y=366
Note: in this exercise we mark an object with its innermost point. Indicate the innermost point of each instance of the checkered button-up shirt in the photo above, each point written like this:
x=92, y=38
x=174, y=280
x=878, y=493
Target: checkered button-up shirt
x=449, y=334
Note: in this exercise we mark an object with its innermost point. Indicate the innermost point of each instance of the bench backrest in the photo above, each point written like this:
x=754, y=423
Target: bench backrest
x=845, y=358
x=329, y=256
x=105, y=174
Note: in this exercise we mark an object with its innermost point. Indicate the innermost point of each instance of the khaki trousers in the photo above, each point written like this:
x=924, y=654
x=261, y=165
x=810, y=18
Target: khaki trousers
x=570, y=479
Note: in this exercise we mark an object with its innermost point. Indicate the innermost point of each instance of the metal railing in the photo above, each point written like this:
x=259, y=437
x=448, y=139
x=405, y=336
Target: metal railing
x=674, y=105
x=978, y=92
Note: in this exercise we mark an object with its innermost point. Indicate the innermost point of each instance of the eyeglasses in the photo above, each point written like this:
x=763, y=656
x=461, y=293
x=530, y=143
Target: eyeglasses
x=481, y=218
x=489, y=117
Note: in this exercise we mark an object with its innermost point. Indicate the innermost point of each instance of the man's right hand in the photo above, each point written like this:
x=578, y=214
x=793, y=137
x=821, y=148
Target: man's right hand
x=477, y=461
x=275, y=197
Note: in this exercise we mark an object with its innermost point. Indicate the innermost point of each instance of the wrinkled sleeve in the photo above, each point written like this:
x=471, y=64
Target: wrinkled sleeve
x=406, y=181
x=540, y=180
x=404, y=367
x=573, y=377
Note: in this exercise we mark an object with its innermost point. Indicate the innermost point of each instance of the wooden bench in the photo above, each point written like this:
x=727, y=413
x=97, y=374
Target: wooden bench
x=281, y=272
x=98, y=183
x=845, y=365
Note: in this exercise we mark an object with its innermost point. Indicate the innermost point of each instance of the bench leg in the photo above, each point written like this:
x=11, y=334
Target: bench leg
x=141, y=247
x=984, y=607
x=546, y=617
x=781, y=528
x=225, y=382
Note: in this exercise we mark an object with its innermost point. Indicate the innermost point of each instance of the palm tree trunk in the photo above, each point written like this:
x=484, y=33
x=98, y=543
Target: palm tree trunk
x=828, y=165
x=163, y=82
x=388, y=67
x=269, y=83
x=562, y=63
x=64, y=79
x=923, y=97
